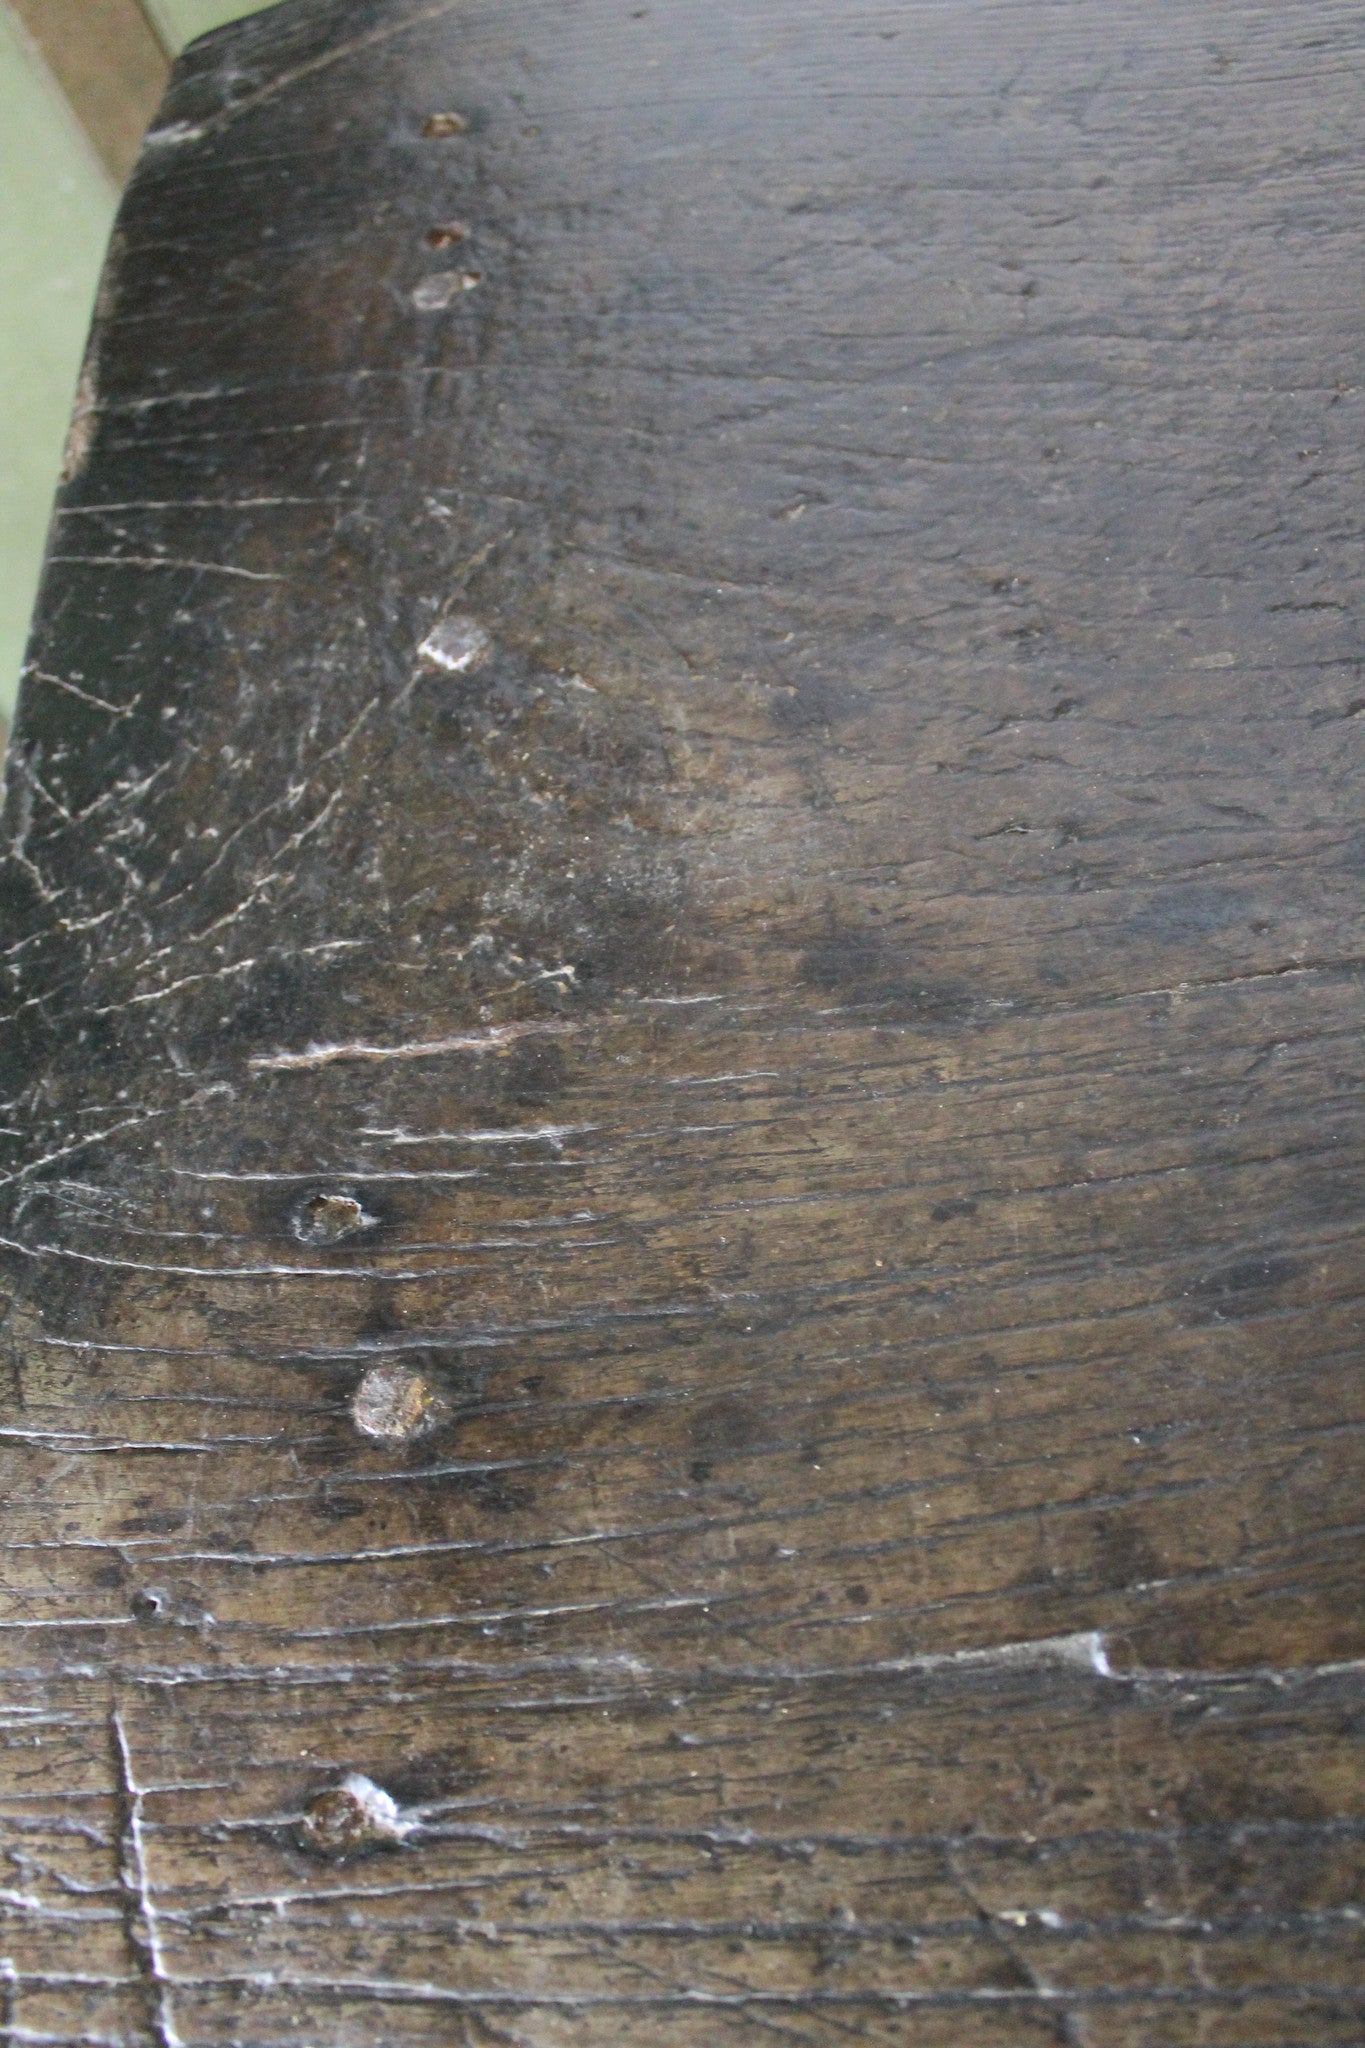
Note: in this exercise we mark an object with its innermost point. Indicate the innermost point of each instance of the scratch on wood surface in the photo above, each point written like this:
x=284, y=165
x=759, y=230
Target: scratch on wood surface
x=491, y=1040
x=169, y=562
x=143, y=1921
x=833, y=1508
x=194, y=131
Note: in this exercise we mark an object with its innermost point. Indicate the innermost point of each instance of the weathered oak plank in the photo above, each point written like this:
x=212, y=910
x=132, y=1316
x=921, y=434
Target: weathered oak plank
x=681, y=1205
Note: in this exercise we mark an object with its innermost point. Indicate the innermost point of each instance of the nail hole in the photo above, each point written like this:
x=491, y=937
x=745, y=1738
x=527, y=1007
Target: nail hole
x=356, y=1814
x=326, y=1218
x=438, y=126
x=446, y=234
x=393, y=1402
x=149, y=1604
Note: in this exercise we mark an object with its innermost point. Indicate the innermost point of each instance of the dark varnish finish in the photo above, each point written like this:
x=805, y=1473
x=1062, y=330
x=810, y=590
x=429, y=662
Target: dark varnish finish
x=681, y=1169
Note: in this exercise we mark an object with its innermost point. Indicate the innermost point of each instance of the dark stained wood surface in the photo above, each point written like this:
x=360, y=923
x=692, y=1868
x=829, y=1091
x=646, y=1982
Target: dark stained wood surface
x=681, y=1200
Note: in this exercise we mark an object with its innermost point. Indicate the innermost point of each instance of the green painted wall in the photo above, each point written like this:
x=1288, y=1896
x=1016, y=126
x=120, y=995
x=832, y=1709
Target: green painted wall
x=56, y=208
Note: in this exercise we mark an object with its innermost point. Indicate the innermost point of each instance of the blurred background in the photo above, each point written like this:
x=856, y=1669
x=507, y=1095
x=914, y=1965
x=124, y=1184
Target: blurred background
x=79, y=83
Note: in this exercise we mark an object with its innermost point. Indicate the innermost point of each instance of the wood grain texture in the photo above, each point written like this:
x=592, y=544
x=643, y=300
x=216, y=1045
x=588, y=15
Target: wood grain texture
x=681, y=1196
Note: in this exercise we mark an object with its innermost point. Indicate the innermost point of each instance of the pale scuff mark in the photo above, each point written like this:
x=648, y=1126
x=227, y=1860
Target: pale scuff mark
x=74, y=689
x=170, y=562
x=456, y=644
x=547, y=1134
x=492, y=1040
x=80, y=435
x=174, y=133
x=441, y=290
x=1083, y=1651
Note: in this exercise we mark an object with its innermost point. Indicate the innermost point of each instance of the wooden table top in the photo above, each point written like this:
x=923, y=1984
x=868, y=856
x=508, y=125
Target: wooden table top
x=681, y=1181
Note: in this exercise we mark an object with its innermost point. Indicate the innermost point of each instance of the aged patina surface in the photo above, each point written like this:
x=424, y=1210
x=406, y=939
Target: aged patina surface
x=681, y=1203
